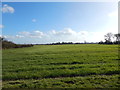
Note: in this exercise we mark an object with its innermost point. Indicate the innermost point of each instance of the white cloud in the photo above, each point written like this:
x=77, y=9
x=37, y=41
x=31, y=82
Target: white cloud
x=19, y=36
x=34, y=20
x=1, y=26
x=24, y=33
x=84, y=33
x=7, y=9
x=65, y=35
x=36, y=34
x=66, y=31
x=68, y=35
x=113, y=14
x=69, y=32
x=112, y=25
x=9, y=37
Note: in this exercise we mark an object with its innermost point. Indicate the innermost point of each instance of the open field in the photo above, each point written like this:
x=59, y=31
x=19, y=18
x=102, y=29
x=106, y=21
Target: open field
x=61, y=66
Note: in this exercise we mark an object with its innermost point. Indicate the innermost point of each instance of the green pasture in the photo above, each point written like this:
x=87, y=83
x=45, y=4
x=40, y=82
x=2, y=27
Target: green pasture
x=61, y=66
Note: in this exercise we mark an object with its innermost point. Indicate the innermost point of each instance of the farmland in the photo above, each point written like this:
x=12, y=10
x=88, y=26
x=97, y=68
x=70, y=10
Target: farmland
x=61, y=66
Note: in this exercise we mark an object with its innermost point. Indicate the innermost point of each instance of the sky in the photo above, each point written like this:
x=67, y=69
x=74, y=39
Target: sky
x=48, y=22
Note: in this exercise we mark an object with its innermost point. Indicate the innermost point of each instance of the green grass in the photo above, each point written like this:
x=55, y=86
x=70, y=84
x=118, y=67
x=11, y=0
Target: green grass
x=61, y=66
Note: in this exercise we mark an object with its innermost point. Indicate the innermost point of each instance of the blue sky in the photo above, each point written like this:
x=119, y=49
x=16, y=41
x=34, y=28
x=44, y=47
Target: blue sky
x=47, y=22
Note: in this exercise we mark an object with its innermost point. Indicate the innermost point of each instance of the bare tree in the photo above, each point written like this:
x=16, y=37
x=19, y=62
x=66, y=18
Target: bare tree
x=117, y=37
x=108, y=37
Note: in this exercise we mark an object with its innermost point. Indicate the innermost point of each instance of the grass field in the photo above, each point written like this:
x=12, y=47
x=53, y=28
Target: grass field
x=61, y=66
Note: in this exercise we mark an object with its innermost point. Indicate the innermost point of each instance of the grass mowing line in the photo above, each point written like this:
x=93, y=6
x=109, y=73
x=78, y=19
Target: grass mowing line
x=94, y=81
x=60, y=61
x=60, y=73
x=53, y=67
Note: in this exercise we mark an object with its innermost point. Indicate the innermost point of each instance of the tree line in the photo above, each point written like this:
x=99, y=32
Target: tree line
x=5, y=44
x=63, y=43
x=111, y=39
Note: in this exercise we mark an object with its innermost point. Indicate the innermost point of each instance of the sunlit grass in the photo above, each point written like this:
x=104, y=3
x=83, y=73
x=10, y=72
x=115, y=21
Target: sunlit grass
x=48, y=62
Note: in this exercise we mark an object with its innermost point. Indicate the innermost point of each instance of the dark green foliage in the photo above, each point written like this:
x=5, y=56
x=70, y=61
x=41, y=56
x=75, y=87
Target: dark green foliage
x=8, y=44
